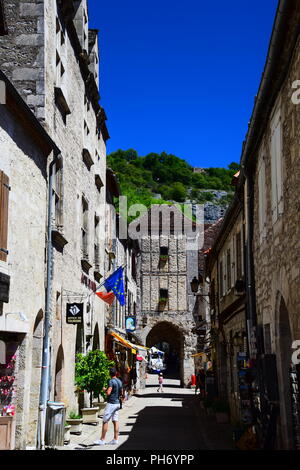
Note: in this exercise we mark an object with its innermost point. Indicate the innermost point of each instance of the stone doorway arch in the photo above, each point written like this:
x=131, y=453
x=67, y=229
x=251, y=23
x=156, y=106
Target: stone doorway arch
x=168, y=337
x=283, y=347
x=36, y=361
x=59, y=368
x=96, y=338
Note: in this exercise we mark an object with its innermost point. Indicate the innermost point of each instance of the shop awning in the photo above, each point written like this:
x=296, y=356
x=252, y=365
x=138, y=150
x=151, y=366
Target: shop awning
x=124, y=342
x=142, y=348
x=198, y=354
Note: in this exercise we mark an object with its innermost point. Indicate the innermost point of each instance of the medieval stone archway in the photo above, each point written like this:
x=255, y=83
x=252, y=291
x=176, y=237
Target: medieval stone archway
x=168, y=337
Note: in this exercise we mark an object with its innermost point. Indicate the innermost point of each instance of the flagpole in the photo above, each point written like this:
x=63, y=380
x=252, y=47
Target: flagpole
x=102, y=283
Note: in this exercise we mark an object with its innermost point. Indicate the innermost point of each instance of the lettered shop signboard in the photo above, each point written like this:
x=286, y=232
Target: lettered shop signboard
x=75, y=314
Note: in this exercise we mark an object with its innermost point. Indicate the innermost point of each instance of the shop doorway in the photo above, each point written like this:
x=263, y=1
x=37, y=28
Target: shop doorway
x=284, y=341
x=167, y=338
x=58, y=391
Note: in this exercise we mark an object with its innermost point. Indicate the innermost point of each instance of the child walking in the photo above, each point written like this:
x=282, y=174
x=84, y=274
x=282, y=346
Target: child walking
x=160, y=382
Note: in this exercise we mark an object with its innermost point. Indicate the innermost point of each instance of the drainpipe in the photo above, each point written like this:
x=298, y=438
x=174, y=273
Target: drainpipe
x=251, y=317
x=46, y=359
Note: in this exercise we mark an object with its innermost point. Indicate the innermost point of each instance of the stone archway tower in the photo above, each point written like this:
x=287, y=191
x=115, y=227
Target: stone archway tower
x=167, y=265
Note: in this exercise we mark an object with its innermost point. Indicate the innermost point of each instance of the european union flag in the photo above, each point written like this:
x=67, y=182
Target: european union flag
x=115, y=283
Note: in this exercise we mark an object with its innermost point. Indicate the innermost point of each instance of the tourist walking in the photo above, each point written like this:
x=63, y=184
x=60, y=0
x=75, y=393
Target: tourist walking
x=114, y=394
x=160, y=382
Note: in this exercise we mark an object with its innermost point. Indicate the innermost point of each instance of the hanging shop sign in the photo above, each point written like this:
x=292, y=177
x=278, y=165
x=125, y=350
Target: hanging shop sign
x=75, y=314
x=130, y=323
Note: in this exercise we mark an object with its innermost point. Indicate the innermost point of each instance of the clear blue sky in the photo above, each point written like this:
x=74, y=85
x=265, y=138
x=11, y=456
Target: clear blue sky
x=181, y=76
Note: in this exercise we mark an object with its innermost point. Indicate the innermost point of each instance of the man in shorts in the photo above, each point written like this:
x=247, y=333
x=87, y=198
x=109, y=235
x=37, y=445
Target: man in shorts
x=113, y=392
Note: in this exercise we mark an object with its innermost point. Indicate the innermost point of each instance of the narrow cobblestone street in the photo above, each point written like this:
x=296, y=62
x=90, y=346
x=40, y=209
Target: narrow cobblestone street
x=159, y=421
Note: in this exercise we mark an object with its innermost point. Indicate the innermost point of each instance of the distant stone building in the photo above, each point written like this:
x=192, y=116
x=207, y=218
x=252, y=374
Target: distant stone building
x=199, y=170
x=166, y=312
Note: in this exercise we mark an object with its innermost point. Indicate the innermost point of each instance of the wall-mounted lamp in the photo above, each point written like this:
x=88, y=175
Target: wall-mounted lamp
x=195, y=283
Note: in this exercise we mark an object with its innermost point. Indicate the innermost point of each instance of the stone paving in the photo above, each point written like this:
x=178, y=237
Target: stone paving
x=171, y=420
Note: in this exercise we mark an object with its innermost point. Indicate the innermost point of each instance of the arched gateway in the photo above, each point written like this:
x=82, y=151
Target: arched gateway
x=168, y=338
x=167, y=314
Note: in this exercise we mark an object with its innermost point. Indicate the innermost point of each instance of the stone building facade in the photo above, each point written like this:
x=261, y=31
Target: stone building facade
x=166, y=306
x=270, y=176
x=226, y=272
x=52, y=59
x=25, y=149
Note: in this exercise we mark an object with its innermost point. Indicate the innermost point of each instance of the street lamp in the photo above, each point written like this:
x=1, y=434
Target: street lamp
x=195, y=283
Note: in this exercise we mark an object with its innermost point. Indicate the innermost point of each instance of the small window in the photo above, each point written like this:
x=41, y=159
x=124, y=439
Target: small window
x=84, y=228
x=228, y=269
x=4, y=197
x=163, y=294
x=239, y=267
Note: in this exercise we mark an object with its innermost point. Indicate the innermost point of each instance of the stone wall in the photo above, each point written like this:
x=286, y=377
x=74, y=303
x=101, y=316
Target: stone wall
x=21, y=50
x=28, y=54
x=277, y=251
x=26, y=167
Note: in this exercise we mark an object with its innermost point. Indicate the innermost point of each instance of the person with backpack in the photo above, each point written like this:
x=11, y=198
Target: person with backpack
x=114, y=394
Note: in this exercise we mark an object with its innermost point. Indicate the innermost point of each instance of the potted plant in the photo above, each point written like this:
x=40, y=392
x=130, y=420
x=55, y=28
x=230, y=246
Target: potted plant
x=92, y=375
x=75, y=422
x=100, y=404
x=221, y=410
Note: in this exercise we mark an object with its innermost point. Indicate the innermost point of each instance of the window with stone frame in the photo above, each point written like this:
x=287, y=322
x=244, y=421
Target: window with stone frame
x=96, y=244
x=163, y=295
x=84, y=228
x=276, y=165
x=3, y=25
x=262, y=213
x=4, y=198
x=228, y=268
x=61, y=81
x=221, y=278
x=57, y=189
x=239, y=260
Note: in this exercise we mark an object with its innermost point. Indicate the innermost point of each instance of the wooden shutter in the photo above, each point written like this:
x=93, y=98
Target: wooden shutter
x=4, y=192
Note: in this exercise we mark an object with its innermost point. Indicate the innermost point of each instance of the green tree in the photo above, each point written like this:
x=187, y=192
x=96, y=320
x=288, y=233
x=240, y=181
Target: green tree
x=92, y=373
x=178, y=192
